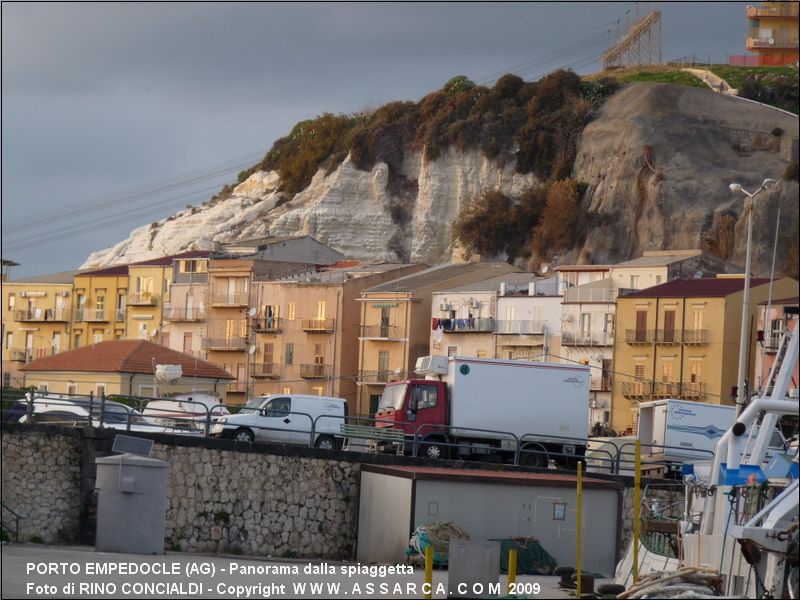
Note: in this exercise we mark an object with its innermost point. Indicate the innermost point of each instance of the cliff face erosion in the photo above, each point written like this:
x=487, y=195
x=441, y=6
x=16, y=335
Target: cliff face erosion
x=656, y=160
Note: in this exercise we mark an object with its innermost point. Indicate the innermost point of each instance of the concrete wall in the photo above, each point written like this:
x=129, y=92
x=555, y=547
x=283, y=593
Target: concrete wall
x=385, y=511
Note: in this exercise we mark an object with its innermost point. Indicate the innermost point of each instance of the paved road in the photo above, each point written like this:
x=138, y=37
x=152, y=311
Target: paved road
x=36, y=571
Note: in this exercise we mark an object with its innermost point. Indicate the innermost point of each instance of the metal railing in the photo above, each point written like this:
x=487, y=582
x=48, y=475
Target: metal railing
x=379, y=331
x=38, y=314
x=266, y=324
x=520, y=327
x=7, y=525
x=265, y=370
x=232, y=343
x=578, y=338
x=600, y=384
x=663, y=389
x=380, y=376
x=142, y=299
x=174, y=313
x=314, y=371
x=640, y=336
x=694, y=336
x=577, y=295
x=782, y=9
x=17, y=355
x=317, y=324
x=92, y=315
x=479, y=325
x=236, y=299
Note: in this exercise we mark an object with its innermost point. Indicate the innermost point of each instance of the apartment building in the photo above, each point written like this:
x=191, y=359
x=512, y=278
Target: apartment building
x=680, y=339
x=184, y=313
x=773, y=32
x=306, y=330
x=396, y=324
x=99, y=306
x=528, y=323
x=149, y=289
x=774, y=318
x=655, y=267
x=36, y=321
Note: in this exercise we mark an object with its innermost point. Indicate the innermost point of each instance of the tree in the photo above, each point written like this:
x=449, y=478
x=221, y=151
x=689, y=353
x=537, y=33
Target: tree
x=563, y=220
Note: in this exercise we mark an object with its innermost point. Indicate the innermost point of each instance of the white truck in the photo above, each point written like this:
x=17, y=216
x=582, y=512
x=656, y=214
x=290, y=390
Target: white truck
x=469, y=406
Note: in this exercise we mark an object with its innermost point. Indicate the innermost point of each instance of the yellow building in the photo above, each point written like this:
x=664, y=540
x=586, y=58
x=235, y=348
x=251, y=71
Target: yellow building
x=681, y=340
x=306, y=330
x=121, y=367
x=98, y=308
x=396, y=324
x=184, y=314
x=36, y=321
x=773, y=32
x=149, y=283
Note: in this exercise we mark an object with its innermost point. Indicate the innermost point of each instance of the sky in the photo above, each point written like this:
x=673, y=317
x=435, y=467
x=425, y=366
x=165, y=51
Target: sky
x=118, y=115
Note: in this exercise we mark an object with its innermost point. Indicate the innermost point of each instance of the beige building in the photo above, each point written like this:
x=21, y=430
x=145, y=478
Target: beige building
x=184, y=314
x=681, y=340
x=306, y=328
x=149, y=283
x=655, y=267
x=36, y=321
x=396, y=324
x=123, y=367
x=98, y=308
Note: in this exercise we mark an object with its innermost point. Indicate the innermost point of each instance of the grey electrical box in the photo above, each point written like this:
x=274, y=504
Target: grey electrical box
x=131, y=504
x=472, y=566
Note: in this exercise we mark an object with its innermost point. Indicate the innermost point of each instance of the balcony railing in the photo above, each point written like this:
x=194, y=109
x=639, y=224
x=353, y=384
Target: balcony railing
x=265, y=370
x=784, y=9
x=267, y=324
x=481, y=325
x=694, y=336
x=174, y=313
x=20, y=355
x=232, y=343
x=240, y=299
x=776, y=43
x=520, y=327
x=600, y=384
x=375, y=376
x=380, y=331
x=576, y=295
x=661, y=389
x=237, y=386
x=144, y=299
x=668, y=336
x=318, y=324
x=578, y=338
x=640, y=336
x=39, y=314
x=91, y=315
x=316, y=371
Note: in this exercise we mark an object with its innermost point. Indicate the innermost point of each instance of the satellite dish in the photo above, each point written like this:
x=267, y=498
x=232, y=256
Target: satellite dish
x=438, y=336
x=545, y=268
x=251, y=350
x=698, y=275
x=251, y=312
x=153, y=332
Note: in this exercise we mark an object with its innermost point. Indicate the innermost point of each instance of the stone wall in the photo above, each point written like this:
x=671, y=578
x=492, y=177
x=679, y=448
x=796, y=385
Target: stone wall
x=41, y=482
x=260, y=504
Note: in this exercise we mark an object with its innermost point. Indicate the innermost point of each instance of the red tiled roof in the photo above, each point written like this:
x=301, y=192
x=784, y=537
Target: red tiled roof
x=126, y=356
x=697, y=288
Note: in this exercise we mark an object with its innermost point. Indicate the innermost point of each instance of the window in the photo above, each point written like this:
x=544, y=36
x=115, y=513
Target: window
x=319, y=360
x=641, y=325
x=634, y=282
x=101, y=303
x=100, y=389
x=481, y=354
x=187, y=343
x=278, y=407
x=189, y=266
x=658, y=279
x=43, y=388
x=78, y=339
x=230, y=325
x=287, y=390
x=695, y=373
x=72, y=389
x=291, y=311
x=608, y=326
x=638, y=372
x=56, y=342
x=669, y=326
x=243, y=328
x=697, y=318
x=666, y=372
x=316, y=390
x=453, y=351
x=269, y=354
x=586, y=325
x=425, y=396
x=321, y=309
x=97, y=336
x=385, y=321
x=288, y=356
x=374, y=400
x=165, y=339
x=9, y=340
x=11, y=300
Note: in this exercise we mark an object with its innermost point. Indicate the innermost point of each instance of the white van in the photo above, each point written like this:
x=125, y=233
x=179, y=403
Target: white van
x=286, y=419
x=188, y=410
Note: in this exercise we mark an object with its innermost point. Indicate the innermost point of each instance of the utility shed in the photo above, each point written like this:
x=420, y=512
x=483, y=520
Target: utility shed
x=396, y=500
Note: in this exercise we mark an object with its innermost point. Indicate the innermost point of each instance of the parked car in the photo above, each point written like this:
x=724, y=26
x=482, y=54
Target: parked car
x=188, y=410
x=78, y=411
x=286, y=418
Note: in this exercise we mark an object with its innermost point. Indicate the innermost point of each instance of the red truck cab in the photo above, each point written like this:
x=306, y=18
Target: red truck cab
x=418, y=405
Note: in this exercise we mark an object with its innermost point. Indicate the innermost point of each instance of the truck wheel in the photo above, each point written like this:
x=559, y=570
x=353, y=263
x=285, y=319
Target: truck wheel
x=325, y=442
x=244, y=435
x=434, y=450
x=534, y=456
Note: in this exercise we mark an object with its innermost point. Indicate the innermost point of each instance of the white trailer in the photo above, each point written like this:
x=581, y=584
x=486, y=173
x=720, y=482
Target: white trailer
x=681, y=430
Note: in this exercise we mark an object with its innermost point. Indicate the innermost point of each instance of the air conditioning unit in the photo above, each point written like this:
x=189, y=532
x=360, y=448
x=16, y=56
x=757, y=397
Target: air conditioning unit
x=432, y=364
x=472, y=303
x=444, y=306
x=592, y=403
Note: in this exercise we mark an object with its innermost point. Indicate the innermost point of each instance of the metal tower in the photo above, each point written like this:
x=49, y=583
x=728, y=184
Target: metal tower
x=640, y=45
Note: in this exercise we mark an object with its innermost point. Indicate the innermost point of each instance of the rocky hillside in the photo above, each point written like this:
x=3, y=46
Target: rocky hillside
x=656, y=161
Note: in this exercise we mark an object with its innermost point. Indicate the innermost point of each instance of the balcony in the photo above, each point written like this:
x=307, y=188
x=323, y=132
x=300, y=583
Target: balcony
x=232, y=343
x=778, y=43
x=577, y=295
x=173, y=313
x=653, y=390
x=240, y=299
x=600, y=384
x=520, y=327
x=316, y=371
x=484, y=325
x=144, y=299
x=579, y=338
x=265, y=370
x=40, y=315
x=91, y=315
x=694, y=336
x=267, y=325
x=384, y=332
x=237, y=386
x=317, y=324
x=20, y=355
x=640, y=336
x=785, y=9
x=668, y=336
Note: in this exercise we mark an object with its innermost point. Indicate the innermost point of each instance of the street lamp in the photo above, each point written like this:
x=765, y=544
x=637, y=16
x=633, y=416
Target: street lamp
x=744, y=338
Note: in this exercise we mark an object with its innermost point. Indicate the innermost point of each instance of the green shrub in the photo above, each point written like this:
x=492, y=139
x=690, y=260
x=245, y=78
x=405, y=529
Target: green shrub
x=563, y=221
